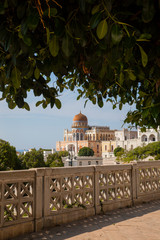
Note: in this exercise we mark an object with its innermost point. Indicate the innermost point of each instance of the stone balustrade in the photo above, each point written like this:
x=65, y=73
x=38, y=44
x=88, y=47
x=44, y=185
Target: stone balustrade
x=33, y=199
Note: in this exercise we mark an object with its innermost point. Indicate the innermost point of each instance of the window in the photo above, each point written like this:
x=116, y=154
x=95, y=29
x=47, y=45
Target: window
x=74, y=136
x=131, y=147
x=89, y=162
x=105, y=147
x=80, y=163
x=112, y=148
x=81, y=136
x=125, y=138
x=96, y=162
x=93, y=137
x=97, y=148
x=125, y=147
x=77, y=136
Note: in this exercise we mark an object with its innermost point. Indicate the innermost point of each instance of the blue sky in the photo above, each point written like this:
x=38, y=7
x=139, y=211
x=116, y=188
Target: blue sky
x=41, y=128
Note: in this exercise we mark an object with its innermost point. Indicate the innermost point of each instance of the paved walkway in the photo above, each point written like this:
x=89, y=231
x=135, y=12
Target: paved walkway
x=141, y=222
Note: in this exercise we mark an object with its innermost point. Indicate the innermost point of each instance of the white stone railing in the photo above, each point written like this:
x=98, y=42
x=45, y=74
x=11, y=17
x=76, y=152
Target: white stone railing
x=33, y=199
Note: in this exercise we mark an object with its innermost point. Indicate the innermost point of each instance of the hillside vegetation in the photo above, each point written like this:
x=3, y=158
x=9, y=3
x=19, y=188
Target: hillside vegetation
x=139, y=153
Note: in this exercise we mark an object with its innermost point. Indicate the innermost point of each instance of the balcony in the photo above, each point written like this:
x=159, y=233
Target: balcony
x=31, y=200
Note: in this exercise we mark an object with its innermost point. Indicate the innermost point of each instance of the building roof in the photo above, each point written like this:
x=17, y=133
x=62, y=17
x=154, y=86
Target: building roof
x=80, y=117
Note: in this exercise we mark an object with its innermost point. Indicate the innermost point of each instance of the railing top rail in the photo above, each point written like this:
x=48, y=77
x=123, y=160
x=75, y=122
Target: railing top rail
x=114, y=167
x=148, y=163
x=17, y=174
x=63, y=170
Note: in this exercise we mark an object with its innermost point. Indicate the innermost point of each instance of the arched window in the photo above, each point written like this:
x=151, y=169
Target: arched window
x=144, y=138
x=89, y=162
x=77, y=136
x=152, y=138
x=81, y=136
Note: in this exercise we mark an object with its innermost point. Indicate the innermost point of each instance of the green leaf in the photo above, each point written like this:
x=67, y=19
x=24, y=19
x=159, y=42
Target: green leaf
x=131, y=75
x=27, y=40
x=53, y=12
x=94, y=100
x=120, y=106
x=116, y=34
x=102, y=29
x=33, y=19
x=36, y=73
x=100, y=101
x=48, y=34
x=144, y=56
x=95, y=9
x=95, y=20
x=67, y=46
x=145, y=36
x=121, y=78
x=38, y=103
x=44, y=104
x=58, y=103
x=26, y=106
x=54, y=46
x=16, y=77
x=148, y=11
x=11, y=104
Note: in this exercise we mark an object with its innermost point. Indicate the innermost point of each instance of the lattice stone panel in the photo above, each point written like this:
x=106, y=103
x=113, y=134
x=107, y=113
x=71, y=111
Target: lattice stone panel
x=114, y=185
x=71, y=191
x=148, y=180
x=17, y=200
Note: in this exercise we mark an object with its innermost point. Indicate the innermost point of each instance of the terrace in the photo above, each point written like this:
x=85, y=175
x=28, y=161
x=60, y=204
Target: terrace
x=31, y=200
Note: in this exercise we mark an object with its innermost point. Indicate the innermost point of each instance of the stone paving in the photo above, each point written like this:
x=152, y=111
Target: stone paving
x=141, y=222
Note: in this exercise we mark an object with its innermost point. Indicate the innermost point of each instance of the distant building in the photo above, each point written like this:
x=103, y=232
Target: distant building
x=46, y=152
x=83, y=135
x=102, y=139
x=82, y=161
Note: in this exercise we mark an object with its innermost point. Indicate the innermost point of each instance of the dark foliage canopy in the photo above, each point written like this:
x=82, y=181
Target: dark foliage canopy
x=118, y=150
x=32, y=159
x=8, y=157
x=152, y=149
x=108, y=49
x=85, y=151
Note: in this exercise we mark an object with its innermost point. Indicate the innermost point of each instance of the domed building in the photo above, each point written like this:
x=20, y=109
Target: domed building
x=83, y=135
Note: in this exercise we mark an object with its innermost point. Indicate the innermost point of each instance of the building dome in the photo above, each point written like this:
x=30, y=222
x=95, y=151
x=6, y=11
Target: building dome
x=80, y=118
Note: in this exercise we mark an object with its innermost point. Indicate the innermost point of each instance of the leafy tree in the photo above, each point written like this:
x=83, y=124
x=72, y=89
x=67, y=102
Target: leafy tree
x=108, y=49
x=33, y=159
x=55, y=159
x=8, y=157
x=63, y=153
x=118, y=150
x=152, y=149
x=85, y=151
